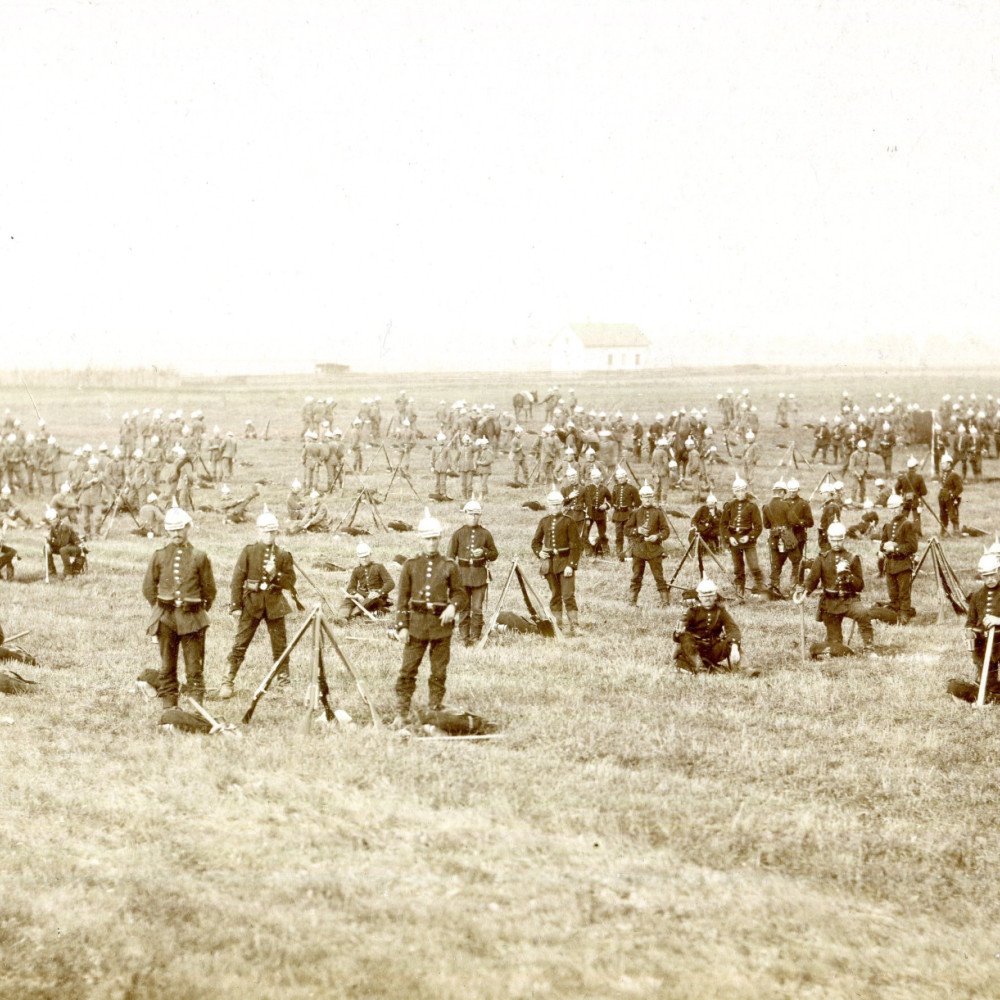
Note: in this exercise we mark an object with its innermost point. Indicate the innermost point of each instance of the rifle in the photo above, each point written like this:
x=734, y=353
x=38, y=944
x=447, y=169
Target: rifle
x=354, y=600
x=267, y=427
x=984, y=676
x=45, y=557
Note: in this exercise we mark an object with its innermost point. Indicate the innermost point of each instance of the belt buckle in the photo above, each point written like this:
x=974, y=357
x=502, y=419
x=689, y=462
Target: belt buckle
x=178, y=603
x=262, y=585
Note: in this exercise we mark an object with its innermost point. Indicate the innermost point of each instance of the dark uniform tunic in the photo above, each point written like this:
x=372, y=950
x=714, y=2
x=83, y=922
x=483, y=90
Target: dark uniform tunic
x=949, y=499
x=557, y=543
x=427, y=585
x=624, y=500
x=705, y=638
x=372, y=585
x=261, y=573
x=982, y=602
x=740, y=525
x=912, y=488
x=472, y=574
x=596, y=500
x=180, y=587
x=647, y=528
x=840, y=595
x=899, y=563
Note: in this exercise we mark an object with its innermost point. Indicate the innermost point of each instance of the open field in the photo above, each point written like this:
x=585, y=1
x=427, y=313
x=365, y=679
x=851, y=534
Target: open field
x=823, y=831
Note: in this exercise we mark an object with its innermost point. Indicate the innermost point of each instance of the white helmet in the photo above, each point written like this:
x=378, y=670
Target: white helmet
x=711, y=499
x=989, y=563
x=571, y=473
x=862, y=443
x=646, y=491
x=473, y=507
x=176, y=518
x=620, y=474
x=363, y=550
x=894, y=501
x=152, y=498
x=296, y=485
x=429, y=527
x=739, y=484
x=595, y=474
x=779, y=485
x=554, y=499
x=707, y=591
x=911, y=463
x=267, y=521
x=836, y=529
x=793, y=485
x=750, y=435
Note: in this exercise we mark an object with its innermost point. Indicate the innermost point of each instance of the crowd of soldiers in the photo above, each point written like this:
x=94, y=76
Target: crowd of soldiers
x=589, y=458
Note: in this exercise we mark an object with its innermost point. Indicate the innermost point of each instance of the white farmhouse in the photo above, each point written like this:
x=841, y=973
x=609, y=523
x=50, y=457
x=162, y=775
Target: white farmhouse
x=599, y=347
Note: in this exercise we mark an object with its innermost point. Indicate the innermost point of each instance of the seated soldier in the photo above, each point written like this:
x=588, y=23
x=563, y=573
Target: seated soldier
x=984, y=615
x=370, y=585
x=867, y=527
x=10, y=513
x=150, y=518
x=63, y=540
x=708, y=640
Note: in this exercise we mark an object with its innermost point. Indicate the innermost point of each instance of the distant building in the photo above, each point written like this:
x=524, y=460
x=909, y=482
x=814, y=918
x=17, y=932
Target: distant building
x=331, y=368
x=599, y=347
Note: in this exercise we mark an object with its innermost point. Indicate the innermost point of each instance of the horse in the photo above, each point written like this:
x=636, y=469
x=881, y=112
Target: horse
x=523, y=402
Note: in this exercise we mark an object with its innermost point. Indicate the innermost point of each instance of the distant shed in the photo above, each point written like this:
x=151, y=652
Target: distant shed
x=599, y=347
x=331, y=368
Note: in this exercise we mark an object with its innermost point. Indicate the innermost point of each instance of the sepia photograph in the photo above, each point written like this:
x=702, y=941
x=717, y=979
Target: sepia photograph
x=499, y=500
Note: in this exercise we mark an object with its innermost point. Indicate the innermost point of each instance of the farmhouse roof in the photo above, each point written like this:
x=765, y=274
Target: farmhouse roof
x=610, y=335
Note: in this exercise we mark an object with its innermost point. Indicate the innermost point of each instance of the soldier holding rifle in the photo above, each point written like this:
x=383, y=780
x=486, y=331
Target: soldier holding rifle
x=981, y=621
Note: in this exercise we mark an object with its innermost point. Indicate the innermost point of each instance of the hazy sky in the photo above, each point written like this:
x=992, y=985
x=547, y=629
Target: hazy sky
x=435, y=184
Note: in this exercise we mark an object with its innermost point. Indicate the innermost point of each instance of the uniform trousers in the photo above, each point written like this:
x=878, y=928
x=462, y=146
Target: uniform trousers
x=439, y=651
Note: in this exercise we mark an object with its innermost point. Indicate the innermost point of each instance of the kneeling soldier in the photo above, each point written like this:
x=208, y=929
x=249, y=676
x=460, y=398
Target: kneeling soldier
x=707, y=637
x=983, y=616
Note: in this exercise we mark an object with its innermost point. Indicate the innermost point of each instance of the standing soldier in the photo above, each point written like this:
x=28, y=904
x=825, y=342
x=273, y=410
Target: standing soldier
x=596, y=500
x=430, y=594
x=647, y=528
x=830, y=512
x=751, y=457
x=886, y=443
x=659, y=462
x=262, y=572
x=472, y=548
x=228, y=455
x=983, y=618
x=740, y=525
x=439, y=466
x=484, y=465
x=840, y=574
x=705, y=525
x=180, y=587
x=899, y=543
x=857, y=466
x=949, y=495
x=466, y=465
x=215, y=443
x=556, y=543
x=800, y=518
x=91, y=495
x=911, y=487
x=312, y=459
x=774, y=517
x=518, y=459
x=624, y=500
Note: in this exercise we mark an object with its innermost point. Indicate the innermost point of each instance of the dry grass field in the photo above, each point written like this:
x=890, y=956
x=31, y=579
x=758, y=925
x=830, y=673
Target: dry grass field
x=819, y=831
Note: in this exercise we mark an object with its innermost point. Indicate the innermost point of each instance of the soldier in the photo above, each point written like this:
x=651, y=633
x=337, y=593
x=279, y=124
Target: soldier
x=830, y=512
x=857, y=466
x=370, y=584
x=840, y=574
x=430, y=595
x=63, y=541
x=484, y=464
x=472, y=548
x=312, y=459
x=315, y=518
x=899, y=543
x=740, y=525
x=180, y=588
x=708, y=640
x=751, y=457
x=780, y=537
x=949, y=495
x=439, y=466
x=556, y=543
x=10, y=513
x=885, y=445
x=596, y=500
x=215, y=443
x=518, y=458
x=228, y=455
x=149, y=521
x=295, y=504
x=982, y=618
x=624, y=500
x=800, y=518
x=335, y=454
x=705, y=524
x=91, y=495
x=822, y=440
x=911, y=487
x=262, y=573
x=235, y=511
x=647, y=530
